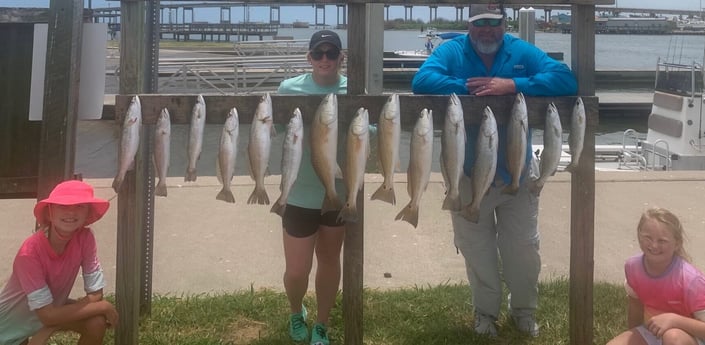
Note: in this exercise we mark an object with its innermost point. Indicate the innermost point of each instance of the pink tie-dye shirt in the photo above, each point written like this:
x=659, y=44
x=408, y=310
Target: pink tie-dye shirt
x=41, y=277
x=680, y=290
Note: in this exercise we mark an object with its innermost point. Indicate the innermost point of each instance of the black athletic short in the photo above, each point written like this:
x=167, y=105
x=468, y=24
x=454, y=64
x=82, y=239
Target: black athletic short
x=303, y=222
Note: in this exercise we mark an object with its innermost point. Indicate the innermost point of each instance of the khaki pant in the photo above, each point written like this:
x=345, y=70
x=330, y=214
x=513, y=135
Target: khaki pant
x=503, y=244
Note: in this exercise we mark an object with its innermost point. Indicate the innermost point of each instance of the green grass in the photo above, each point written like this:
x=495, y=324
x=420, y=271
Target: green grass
x=414, y=316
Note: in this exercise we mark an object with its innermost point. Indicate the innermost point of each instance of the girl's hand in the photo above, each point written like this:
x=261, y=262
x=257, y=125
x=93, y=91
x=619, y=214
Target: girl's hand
x=659, y=324
x=110, y=313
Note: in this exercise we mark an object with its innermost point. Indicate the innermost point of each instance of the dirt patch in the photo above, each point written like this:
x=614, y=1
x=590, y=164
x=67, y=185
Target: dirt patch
x=244, y=331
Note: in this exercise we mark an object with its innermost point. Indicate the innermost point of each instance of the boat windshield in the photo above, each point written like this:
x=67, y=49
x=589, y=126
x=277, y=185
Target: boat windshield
x=684, y=80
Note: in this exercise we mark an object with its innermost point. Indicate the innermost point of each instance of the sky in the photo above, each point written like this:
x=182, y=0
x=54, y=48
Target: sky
x=307, y=13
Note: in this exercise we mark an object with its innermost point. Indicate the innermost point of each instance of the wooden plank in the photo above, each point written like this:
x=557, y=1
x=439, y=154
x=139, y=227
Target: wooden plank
x=63, y=61
x=19, y=137
x=18, y=187
x=375, y=49
x=217, y=107
x=582, y=211
x=421, y=2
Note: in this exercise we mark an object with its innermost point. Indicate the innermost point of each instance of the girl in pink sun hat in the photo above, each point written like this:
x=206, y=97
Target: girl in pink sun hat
x=35, y=301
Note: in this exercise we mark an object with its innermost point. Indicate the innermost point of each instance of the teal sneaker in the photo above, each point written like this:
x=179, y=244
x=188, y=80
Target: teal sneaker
x=319, y=334
x=298, y=330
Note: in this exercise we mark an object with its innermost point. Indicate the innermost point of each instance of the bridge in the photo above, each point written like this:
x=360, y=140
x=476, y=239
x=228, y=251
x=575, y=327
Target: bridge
x=184, y=12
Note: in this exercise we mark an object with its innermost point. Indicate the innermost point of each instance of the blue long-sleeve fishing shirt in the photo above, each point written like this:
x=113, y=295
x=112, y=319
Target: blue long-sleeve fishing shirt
x=533, y=71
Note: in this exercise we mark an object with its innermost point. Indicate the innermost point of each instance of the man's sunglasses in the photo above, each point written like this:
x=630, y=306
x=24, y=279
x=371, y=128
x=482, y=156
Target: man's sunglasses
x=330, y=54
x=486, y=22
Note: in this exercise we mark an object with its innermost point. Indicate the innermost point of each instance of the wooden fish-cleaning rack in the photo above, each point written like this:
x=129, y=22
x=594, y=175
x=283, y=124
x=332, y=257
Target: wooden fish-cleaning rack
x=138, y=65
x=217, y=107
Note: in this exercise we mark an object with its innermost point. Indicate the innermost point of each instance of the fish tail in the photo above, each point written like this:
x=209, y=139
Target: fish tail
x=471, y=213
x=409, y=213
x=160, y=190
x=536, y=187
x=117, y=183
x=348, y=213
x=511, y=189
x=226, y=195
x=385, y=193
x=331, y=204
x=452, y=202
x=259, y=196
x=279, y=207
x=571, y=167
x=190, y=175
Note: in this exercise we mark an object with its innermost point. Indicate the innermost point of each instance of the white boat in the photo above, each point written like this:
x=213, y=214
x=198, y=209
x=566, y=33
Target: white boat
x=675, y=139
x=435, y=37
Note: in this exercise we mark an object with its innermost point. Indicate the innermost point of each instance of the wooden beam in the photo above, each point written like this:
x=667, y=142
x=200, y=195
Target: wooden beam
x=63, y=61
x=180, y=106
x=421, y=2
x=582, y=210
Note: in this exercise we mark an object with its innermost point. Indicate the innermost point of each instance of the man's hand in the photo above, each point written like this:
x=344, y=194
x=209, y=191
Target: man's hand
x=490, y=86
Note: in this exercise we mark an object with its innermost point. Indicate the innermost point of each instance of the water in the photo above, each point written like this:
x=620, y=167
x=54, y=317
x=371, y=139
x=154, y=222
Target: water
x=612, y=52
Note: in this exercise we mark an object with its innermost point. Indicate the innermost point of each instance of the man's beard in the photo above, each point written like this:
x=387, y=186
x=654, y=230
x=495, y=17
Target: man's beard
x=487, y=48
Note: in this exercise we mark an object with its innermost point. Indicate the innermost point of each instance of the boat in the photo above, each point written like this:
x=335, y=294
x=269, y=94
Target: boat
x=430, y=35
x=675, y=139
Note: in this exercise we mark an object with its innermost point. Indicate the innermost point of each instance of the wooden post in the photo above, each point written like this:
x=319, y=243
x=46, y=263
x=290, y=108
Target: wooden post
x=582, y=210
x=130, y=223
x=375, y=51
x=353, y=257
x=63, y=62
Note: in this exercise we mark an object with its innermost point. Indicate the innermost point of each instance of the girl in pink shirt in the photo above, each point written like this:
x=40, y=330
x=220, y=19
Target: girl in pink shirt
x=35, y=302
x=666, y=293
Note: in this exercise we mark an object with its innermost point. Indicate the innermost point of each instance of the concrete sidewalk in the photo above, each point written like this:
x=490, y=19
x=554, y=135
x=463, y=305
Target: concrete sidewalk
x=205, y=245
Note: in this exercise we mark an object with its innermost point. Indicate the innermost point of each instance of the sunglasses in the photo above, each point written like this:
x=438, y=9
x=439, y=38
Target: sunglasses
x=487, y=22
x=332, y=54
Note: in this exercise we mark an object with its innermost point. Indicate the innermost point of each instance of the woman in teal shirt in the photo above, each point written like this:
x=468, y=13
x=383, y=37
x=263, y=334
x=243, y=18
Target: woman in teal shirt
x=305, y=229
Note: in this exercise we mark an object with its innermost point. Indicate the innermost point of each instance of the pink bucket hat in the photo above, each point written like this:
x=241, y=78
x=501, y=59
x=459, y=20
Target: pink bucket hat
x=72, y=193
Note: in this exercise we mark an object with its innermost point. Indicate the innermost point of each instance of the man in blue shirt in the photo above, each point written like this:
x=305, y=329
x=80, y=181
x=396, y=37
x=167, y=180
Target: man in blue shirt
x=487, y=62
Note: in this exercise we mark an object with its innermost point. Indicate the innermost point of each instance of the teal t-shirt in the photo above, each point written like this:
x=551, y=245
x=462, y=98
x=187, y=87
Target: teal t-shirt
x=308, y=191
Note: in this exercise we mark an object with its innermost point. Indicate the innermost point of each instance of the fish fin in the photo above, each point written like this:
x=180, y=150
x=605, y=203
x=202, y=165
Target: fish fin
x=451, y=203
x=338, y=171
x=446, y=179
x=279, y=207
x=259, y=196
x=218, y=174
x=226, y=195
x=572, y=167
x=535, y=186
x=190, y=175
x=117, y=183
x=331, y=204
x=385, y=194
x=348, y=213
x=510, y=189
x=410, y=214
x=160, y=190
x=471, y=214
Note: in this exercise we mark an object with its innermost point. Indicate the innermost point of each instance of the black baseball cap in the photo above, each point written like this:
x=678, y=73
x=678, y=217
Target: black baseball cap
x=325, y=36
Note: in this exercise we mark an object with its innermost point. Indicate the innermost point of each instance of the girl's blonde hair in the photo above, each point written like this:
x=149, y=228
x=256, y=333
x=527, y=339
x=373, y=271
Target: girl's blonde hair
x=672, y=222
